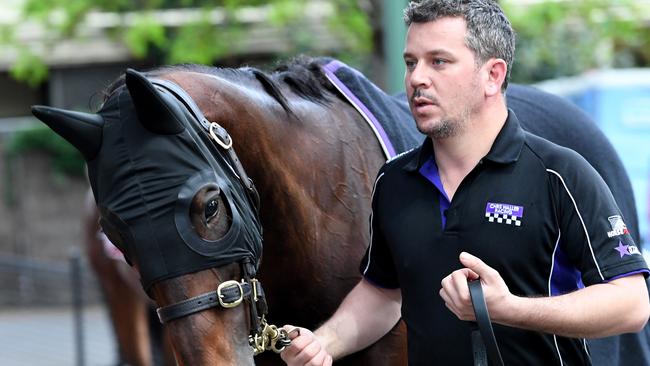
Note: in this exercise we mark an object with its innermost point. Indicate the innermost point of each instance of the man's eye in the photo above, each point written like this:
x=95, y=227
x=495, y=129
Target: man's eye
x=439, y=61
x=410, y=64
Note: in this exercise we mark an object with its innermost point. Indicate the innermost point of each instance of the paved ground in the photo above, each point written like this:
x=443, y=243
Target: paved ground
x=45, y=337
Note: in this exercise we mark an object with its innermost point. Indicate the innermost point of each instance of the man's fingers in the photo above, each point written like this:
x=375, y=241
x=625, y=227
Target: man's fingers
x=292, y=331
x=320, y=358
x=478, y=267
x=305, y=349
x=299, y=341
x=461, y=290
x=444, y=296
x=310, y=352
x=471, y=275
x=329, y=360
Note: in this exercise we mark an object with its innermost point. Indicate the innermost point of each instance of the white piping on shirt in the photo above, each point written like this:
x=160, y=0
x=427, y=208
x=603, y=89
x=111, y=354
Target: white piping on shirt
x=550, y=276
x=371, y=215
x=584, y=227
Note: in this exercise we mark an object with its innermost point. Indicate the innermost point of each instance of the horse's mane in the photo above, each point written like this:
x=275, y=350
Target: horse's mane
x=302, y=75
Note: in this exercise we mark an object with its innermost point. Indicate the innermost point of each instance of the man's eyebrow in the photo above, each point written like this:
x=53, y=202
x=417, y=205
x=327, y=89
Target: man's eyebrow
x=432, y=53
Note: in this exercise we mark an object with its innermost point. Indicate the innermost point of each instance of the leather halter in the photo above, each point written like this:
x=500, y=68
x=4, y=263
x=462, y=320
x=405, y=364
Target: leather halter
x=229, y=294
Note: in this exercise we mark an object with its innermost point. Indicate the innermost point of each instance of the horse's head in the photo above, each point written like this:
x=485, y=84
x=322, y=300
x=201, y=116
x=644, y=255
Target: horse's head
x=171, y=193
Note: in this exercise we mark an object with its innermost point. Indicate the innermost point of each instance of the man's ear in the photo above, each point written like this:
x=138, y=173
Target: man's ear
x=496, y=70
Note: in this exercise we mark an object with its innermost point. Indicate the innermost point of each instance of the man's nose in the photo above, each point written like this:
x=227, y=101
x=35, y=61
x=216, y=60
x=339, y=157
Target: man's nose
x=419, y=77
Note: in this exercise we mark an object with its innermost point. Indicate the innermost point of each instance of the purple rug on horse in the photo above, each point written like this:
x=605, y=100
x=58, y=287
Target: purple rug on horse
x=388, y=116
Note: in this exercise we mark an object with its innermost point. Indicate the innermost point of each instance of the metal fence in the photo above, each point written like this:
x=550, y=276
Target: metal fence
x=51, y=313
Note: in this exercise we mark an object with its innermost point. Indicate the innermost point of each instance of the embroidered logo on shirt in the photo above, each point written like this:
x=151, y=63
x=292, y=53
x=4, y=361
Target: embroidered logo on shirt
x=504, y=213
x=624, y=250
x=618, y=226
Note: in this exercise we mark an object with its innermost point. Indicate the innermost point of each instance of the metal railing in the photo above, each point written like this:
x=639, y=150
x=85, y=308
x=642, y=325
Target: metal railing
x=60, y=293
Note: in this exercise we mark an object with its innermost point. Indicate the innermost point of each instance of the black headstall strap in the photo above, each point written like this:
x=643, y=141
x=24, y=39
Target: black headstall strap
x=229, y=294
x=218, y=135
x=482, y=332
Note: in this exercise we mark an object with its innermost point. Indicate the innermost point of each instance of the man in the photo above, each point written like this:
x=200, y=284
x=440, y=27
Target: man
x=539, y=222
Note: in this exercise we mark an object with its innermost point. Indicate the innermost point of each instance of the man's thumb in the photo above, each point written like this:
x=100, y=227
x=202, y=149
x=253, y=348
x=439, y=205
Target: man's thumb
x=475, y=264
x=292, y=331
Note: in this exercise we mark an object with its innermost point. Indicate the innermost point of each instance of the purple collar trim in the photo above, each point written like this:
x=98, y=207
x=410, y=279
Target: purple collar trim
x=430, y=171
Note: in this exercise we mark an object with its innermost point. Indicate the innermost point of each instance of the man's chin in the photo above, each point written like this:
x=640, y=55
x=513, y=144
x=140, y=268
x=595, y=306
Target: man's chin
x=438, y=131
x=427, y=127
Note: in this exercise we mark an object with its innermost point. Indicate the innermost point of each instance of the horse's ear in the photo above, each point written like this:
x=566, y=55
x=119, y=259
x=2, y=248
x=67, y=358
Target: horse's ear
x=82, y=130
x=156, y=111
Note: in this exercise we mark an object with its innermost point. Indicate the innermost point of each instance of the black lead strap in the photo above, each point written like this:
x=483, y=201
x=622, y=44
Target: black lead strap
x=484, y=344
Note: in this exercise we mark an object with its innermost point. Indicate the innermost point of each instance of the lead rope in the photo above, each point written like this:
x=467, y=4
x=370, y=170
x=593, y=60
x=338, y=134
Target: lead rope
x=482, y=332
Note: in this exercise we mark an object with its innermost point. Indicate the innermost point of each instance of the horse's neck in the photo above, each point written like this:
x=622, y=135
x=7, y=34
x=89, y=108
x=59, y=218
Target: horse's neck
x=315, y=179
x=326, y=151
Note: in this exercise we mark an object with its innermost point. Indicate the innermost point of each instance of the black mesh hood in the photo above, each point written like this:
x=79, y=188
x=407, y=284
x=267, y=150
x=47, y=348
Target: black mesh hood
x=143, y=184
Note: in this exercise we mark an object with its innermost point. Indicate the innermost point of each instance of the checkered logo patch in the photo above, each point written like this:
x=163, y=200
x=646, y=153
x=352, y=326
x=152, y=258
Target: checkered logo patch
x=504, y=213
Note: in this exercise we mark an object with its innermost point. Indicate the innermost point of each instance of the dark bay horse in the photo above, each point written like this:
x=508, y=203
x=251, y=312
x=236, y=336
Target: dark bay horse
x=177, y=202
x=312, y=159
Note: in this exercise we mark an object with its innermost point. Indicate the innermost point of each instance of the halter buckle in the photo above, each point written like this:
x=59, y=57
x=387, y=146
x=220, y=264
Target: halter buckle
x=223, y=140
x=234, y=303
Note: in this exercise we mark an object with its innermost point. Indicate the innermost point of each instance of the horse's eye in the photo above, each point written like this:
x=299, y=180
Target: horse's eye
x=211, y=209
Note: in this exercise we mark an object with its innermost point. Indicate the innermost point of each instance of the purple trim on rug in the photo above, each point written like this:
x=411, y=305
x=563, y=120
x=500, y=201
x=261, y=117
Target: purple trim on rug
x=330, y=69
x=430, y=171
x=647, y=272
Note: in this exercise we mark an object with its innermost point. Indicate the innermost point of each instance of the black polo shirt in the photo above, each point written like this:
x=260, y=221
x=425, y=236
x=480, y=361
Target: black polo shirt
x=536, y=212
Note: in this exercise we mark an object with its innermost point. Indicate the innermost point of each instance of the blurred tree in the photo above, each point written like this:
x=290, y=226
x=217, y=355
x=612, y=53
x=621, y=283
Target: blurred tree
x=66, y=160
x=561, y=38
x=196, y=39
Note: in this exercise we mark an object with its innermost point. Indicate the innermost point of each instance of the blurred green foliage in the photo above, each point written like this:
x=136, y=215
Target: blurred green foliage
x=66, y=160
x=197, y=41
x=29, y=68
x=563, y=38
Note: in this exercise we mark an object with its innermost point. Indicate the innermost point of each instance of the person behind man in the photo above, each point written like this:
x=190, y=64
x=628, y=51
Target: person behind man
x=550, y=246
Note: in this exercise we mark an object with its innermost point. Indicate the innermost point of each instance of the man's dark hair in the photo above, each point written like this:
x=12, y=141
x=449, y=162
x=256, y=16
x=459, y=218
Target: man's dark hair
x=489, y=32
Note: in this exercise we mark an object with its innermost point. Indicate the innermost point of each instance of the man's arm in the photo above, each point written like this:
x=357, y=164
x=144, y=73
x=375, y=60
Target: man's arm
x=366, y=314
x=619, y=306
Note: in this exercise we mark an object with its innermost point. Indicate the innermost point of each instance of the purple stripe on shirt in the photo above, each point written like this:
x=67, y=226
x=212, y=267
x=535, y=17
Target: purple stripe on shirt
x=330, y=69
x=430, y=171
x=645, y=271
x=565, y=277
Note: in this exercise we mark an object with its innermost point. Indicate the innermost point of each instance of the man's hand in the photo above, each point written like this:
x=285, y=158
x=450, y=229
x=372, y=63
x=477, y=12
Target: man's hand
x=305, y=349
x=455, y=291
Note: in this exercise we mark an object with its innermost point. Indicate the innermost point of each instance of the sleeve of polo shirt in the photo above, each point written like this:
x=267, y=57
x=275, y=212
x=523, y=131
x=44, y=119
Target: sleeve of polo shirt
x=593, y=233
x=377, y=264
